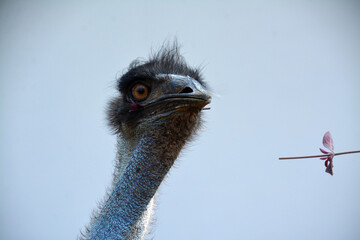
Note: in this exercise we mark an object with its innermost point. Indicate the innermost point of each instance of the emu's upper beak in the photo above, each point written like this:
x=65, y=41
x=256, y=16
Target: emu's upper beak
x=184, y=88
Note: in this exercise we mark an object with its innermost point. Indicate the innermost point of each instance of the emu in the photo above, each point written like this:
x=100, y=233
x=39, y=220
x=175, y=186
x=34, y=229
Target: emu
x=157, y=111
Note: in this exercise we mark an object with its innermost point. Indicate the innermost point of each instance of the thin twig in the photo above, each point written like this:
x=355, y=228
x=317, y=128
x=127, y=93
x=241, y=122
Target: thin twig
x=342, y=153
x=317, y=156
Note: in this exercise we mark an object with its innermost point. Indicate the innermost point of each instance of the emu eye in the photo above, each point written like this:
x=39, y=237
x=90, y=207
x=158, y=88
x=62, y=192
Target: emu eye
x=139, y=91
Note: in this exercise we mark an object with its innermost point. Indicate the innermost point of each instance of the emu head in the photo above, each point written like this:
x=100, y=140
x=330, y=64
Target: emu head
x=162, y=90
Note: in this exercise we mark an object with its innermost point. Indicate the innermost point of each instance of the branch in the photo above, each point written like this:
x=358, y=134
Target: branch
x=317, y=156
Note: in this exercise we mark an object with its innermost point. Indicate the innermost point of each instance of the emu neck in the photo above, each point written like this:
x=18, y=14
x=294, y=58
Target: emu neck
x=141, y=172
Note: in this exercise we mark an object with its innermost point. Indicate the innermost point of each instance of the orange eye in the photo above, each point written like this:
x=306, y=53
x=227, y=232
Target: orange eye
x=140, y=91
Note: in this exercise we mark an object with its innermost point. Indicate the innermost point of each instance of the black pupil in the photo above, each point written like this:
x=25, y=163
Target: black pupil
x=140, y=90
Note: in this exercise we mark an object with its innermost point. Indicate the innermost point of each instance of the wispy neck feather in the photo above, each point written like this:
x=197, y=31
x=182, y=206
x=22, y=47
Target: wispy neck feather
x=119, y=218
x=144, y=162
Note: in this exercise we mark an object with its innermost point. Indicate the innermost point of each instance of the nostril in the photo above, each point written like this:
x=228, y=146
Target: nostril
x=187, y=90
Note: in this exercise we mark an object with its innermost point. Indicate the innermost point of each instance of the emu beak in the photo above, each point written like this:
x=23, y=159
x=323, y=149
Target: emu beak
x=185, y=87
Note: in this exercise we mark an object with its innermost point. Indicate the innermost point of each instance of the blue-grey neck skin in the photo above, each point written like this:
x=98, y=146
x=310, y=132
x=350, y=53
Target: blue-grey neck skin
x=146, y=153
x=122, y=214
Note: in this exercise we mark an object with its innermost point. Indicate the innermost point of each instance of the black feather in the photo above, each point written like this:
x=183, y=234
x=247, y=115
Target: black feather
x=167, y=60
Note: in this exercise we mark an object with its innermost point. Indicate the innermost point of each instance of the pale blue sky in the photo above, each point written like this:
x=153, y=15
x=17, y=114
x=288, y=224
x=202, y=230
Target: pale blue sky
x=284, y=72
